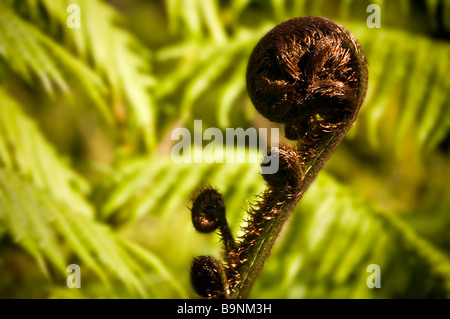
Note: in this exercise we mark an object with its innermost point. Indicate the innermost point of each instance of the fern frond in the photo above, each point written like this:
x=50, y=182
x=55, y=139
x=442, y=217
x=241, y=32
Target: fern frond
x=36, y=221
x=202, y=65
x=119, y=57
x=137, y=85
x=409, y=91
x=196, y=19
x=158, y=186
x=115, y=53
x=29, y=52
x=25, y=53
x=24, y=149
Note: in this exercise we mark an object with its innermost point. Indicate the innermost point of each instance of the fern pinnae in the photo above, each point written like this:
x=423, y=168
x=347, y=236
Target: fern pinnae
x=335, y=250
x=183, y=189
x=415, y=91
x=35, y=58
x=131, y=178
x=435, y=106
x=153, y=195
x=152, y=260
x=18, y=224
x=34, y=157
x=42, y=225
x=40, y=57
x=230, y=93
x=111, y=257
x=203, y=80
x=210, y=13
x=65, y=226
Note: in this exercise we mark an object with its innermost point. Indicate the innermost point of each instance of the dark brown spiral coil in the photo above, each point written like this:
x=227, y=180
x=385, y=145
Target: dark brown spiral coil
x=305, y=70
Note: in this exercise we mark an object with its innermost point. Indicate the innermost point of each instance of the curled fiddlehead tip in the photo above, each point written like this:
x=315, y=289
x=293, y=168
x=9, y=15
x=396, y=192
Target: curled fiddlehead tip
x=208, y=214
x=208, y=277
x=208, y=210
x=304, y=70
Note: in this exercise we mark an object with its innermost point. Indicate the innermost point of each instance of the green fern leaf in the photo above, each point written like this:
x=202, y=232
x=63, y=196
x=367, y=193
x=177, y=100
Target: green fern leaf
x=25, y=150
x=159, y=187
x=28, y=51
x=36, y=221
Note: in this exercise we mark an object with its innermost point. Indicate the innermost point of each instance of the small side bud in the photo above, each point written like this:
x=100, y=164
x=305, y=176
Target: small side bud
x=208, y=210
x=289, y=171
x=208, y=277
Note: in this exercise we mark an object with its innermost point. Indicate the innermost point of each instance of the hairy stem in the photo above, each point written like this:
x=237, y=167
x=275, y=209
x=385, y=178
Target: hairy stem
x=258, y=252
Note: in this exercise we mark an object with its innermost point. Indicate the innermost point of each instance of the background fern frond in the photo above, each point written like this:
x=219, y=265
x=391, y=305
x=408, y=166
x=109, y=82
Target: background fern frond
x=408, y=96
x=123, y=63
x=137, y=189
x=28, y=51
x=24, y=149
x=36, y=222
x=196, y=19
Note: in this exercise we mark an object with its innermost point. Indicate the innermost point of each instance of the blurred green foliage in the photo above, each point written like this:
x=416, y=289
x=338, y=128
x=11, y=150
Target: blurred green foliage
x=86, y=175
